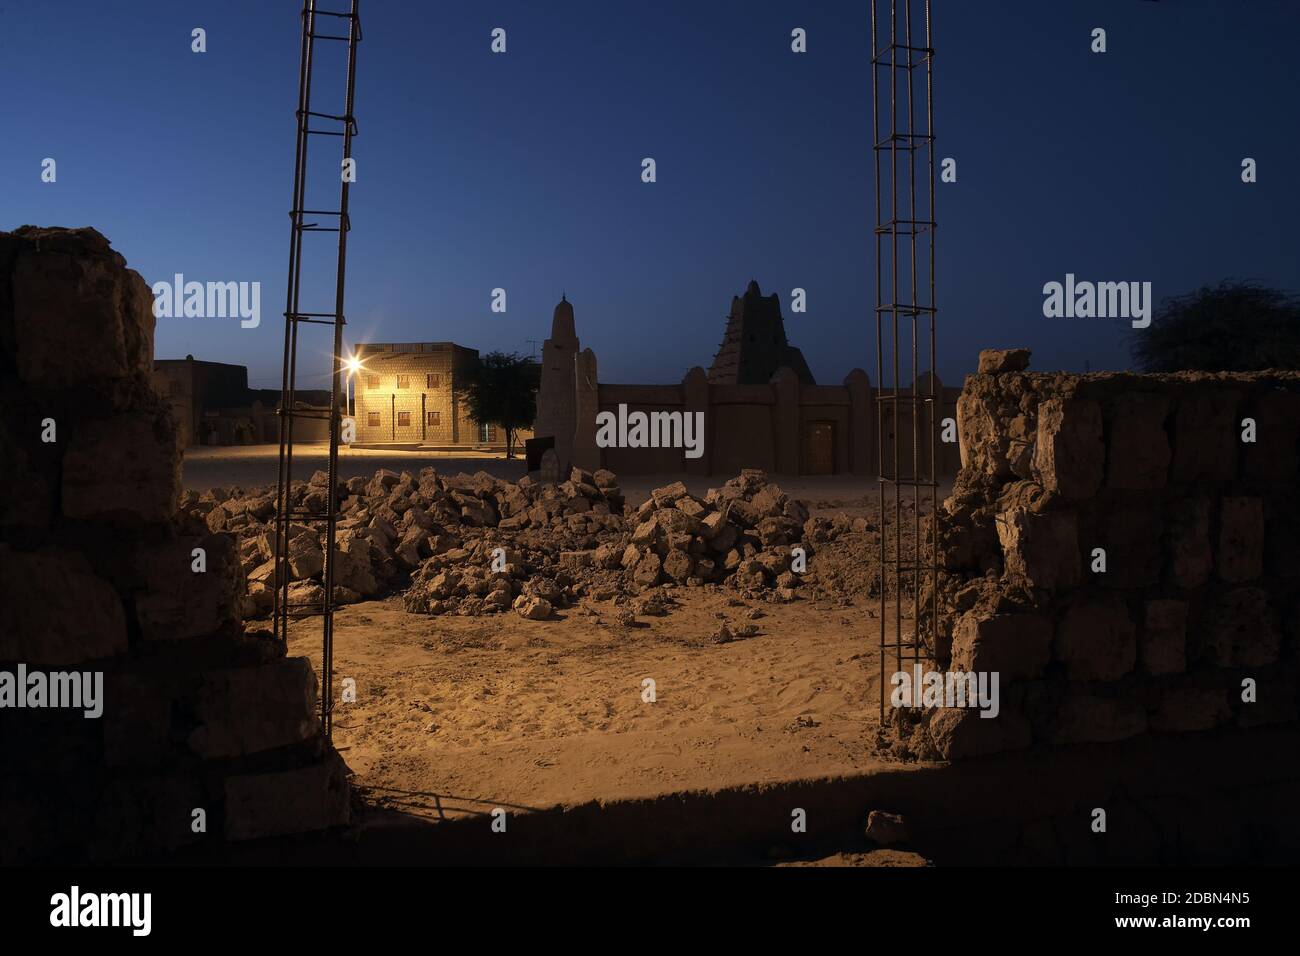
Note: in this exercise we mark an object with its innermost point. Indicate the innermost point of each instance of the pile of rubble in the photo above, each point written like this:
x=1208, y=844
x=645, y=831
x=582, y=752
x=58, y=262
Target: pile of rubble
x=393, y=523
x=474, y=544
x=741, y=535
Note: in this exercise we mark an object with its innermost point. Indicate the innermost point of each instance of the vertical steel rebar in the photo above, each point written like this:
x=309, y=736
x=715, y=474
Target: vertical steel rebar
x=294, y=315
x=910, y=573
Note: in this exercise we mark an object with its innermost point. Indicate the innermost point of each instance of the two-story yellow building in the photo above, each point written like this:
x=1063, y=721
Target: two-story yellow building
x=406, y=393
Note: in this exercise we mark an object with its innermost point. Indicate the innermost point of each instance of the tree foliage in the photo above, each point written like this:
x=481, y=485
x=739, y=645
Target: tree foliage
x=501, y=389
x=1238, y=326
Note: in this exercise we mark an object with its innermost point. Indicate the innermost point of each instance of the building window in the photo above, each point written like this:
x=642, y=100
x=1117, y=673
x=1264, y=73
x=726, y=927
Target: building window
x=372, y=419
x=403, y=419
x=372, y=381
x=435, y=418
x=403, y=381
x=431, y=380
x=487, y=433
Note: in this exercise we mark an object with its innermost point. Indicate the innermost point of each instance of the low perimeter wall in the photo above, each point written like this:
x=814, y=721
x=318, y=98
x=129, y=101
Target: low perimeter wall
x=1122, y=550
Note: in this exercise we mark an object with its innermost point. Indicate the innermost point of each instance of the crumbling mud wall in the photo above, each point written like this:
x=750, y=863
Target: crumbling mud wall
x=1122, y=550
x=203, y=732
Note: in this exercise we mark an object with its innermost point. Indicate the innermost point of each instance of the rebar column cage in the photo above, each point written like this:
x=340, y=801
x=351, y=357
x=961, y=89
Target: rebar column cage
x=314, y=509
x=902, y=60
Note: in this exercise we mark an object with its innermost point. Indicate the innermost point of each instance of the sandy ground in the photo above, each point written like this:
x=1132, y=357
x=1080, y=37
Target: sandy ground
x=457, y=715
x=460, y=714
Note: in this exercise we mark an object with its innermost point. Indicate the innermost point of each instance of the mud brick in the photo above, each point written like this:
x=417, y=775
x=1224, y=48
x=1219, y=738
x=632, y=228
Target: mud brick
x=1089, y=719
x=1275, y=700
x=80, y=317
x=179, y=603
x=141, y=814
x=1207, y=437
x=1096, y=640
x=1131, y=535
x=1040, y=550
x=1274, y=455
x=136, y=719
x=960, y=732
x=245, y=710
x=1164, y=637
x=1241, y=539
x=1018, y=646
x=1190, y=708
x=124, y=469
x=308, y=798
x=997, y=361
x=1189, y=558
x=1138, y=455
x=1070, y=455
x=55, y=611
x=1281, y=534
x=1241, y=630
x=981, y=446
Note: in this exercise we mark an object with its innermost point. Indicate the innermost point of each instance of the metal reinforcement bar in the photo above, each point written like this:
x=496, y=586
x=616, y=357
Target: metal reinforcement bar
x=287, y=509
x=901, y=78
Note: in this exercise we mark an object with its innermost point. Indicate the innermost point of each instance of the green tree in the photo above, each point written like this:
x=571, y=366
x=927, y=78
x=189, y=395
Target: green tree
x=1238, y=326
x=501, y=389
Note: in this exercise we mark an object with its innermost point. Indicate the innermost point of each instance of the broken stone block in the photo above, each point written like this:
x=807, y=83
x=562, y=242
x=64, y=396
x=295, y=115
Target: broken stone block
x=1164, y=637
x=55, y=611
x=1040, y=550
x=1085, y=719
x=124, y=469
x=1015, y=645
x=1207, y=437
x=532, y=608
x=678, y=566
x=1188, y=541
x=667, y=496
x=648, y=570
x=1069, y=454
x=247, y=710
x=1241, y=540
x=997, y=361
x=1138, y=455
x=1096, y=640
x=314, y=797
x=178, y=603
x=1241, y=630
x=959, y=732
x=1183, y=709
x=886, y=829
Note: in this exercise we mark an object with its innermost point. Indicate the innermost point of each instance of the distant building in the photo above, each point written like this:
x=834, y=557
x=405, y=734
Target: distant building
x=409, y=393
x=754, y=345
x=760, y=407
x=214, y=405
x=556, y=408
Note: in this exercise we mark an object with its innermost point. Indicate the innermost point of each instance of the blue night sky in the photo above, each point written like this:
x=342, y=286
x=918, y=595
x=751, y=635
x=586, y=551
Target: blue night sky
x=523, y=170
